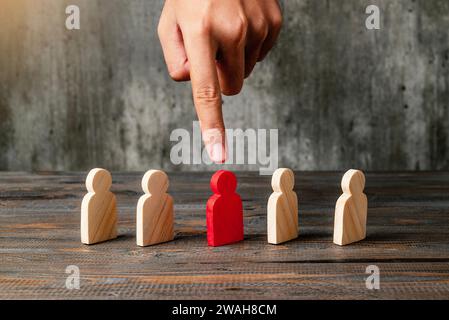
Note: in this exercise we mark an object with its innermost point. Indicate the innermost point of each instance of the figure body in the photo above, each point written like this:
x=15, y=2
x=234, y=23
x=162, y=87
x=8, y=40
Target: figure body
x=98, y=209
x=154, y=220
x=224, y=210
x=282, y=209
x=351, y=209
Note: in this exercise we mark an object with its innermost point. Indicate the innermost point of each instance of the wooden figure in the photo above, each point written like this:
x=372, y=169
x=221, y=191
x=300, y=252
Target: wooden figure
x=98, y=209
x=282, y=219
x=224, y=210
x=351, y=209
x=154, y=210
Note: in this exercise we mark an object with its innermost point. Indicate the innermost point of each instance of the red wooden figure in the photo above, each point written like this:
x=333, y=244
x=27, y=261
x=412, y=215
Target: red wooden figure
x=224, y=210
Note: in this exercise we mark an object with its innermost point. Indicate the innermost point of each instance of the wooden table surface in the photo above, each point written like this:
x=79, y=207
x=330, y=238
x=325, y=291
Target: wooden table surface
x=407, y=238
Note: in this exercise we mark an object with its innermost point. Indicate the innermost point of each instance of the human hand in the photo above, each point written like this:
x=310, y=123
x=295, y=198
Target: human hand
x=216, y=44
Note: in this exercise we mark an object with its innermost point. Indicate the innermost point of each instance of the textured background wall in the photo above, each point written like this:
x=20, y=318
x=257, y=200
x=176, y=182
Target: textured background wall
x=342, y=96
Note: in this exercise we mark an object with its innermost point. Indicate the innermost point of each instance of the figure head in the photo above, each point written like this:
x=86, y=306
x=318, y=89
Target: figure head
x=223, y=182
x=98, y=180
x=283, y=180
x=155, y=182
x=353, y=182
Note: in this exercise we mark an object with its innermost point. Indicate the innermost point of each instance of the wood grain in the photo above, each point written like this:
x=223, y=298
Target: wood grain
x=282, y=208
x=98, y=209
x=407, y=238
x=351, y=209
x=154, y=218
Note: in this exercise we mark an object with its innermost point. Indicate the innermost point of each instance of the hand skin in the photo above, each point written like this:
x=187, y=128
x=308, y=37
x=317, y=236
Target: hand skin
x=216, y=44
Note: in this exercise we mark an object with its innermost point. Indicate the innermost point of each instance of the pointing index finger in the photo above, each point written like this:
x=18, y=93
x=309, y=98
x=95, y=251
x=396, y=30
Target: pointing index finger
x=201, y=52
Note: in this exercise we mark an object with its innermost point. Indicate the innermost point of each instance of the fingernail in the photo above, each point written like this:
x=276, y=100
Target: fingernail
x=217, y=153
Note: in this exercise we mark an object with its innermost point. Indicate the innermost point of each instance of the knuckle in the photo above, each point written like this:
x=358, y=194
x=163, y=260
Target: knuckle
x=277, y=21
x=160, y=30
x=207, y=95
x=261, y=27
x=172, y=72
x=202, y=28
x=232, y=88
x=238, y=29
x=232, y=91
x=176, y=73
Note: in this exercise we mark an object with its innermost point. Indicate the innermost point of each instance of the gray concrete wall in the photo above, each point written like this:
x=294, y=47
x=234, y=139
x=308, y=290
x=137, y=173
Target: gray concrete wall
x=342, y=96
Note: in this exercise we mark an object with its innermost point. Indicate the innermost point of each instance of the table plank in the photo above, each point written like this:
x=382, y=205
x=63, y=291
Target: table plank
x=407, y=238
